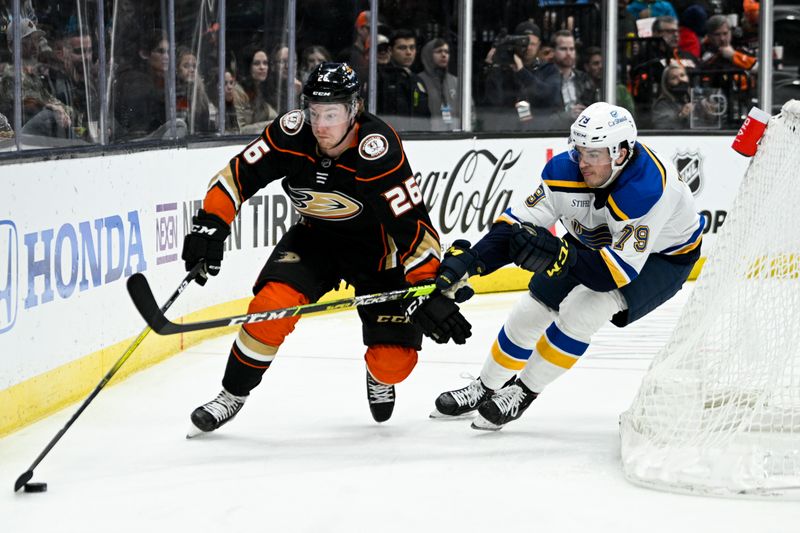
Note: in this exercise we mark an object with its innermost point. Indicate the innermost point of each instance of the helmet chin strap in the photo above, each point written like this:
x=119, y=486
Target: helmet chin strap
x=610, y=180
x=616, y=170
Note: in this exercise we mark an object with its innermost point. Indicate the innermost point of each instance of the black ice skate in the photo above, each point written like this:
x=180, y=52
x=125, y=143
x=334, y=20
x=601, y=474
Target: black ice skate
x=381, y=399
x=461, y=402
x=215, y=413
x=505, y=405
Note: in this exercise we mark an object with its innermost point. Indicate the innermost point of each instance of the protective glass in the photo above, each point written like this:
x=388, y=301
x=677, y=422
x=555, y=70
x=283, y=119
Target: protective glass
x=591, y=156
x=327, y=114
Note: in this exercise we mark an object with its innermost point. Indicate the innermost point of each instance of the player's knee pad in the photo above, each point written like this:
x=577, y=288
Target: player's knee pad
x=271, y=333
x=390, y=363
x=584, y=311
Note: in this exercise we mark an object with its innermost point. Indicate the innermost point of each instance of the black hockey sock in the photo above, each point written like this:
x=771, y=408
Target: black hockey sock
x=240, y=378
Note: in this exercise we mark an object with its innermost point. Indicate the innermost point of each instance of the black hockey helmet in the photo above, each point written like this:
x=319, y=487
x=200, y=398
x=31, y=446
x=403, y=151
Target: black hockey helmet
x=331, y=82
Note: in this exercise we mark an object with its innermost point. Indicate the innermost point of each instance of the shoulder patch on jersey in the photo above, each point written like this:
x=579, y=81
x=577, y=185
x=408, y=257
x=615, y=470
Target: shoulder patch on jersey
x=535, y=198
x=292, y=122
x=560, y=174
x=373, y=146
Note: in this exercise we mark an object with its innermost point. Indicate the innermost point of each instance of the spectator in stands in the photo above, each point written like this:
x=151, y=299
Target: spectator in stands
x=191, y=103
x=442, y=86
x=593, y=66
x=384, y=50
x=357, y=54
x=673, y=108
x=42, y=113
x=310, y=57
x=73, y=80
x=402, y=96
x=278, y=84
x=557, y=92
x=626, y=22
x=255, y=71
x=507, y=70
x=6, y=131
x=648, y=66
x=642, y=9
x=138, y=90
x=545, y=54
x=717, y=51
x=530, y=58
x=692, y=28
x=236, y=104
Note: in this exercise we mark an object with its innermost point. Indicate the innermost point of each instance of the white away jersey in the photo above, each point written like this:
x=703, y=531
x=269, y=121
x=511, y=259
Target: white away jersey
x=646, y=210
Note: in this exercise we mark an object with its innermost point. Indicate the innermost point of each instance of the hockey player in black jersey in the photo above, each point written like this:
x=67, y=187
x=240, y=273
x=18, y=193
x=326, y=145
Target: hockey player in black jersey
x=362, y=221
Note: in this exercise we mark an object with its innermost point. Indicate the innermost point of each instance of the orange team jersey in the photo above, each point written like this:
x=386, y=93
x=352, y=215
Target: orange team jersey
x=367, y=199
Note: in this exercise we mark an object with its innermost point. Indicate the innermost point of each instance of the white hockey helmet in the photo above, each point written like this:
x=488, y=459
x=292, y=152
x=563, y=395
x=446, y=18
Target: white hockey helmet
x=602, y=125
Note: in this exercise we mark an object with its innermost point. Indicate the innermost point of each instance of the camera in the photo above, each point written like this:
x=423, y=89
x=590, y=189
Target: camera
x=505, y=47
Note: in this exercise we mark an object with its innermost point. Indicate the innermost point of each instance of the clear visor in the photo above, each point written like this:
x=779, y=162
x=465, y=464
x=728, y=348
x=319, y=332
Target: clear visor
x=321, y=115
x=590, y=156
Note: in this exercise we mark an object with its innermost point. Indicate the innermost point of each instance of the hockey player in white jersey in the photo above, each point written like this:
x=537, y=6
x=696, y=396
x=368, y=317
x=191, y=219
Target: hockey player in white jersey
x=633, y=235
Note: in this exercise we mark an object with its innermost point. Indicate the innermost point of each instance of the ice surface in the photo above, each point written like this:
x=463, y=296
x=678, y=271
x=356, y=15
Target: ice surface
x=304, y=454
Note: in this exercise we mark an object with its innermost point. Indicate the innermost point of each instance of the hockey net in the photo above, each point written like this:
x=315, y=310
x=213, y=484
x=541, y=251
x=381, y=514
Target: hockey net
x=718, y=412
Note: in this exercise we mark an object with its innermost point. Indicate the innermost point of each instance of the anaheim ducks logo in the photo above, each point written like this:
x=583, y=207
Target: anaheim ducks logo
x=288, y=257
x=330, y=205
x=373, y=146
x=292, y=122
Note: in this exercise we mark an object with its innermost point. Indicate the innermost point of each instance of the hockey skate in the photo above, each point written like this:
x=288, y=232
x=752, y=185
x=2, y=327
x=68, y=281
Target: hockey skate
x=215, y=413
x=505, y=405
x=462, y=402
x=381, y=399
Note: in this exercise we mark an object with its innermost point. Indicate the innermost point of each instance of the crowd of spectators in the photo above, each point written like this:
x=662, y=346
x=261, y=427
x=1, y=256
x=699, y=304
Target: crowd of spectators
x=682, y=64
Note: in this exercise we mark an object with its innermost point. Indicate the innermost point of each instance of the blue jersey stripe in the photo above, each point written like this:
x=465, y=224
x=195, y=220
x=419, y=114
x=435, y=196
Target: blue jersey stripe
x=508, y=347
x=629, y=270
x=564, y=342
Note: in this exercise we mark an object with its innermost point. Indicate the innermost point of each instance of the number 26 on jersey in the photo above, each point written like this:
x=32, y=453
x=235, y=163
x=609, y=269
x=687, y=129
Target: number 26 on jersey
x=403, y=197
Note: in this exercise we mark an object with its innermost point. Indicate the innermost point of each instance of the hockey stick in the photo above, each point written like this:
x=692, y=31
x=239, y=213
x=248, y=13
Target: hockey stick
x=28, y=474
x=145, y=302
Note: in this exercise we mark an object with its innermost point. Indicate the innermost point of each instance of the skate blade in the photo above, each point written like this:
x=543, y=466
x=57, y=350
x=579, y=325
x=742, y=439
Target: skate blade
x=482, y=424
x=193, y=431
x=436, y=415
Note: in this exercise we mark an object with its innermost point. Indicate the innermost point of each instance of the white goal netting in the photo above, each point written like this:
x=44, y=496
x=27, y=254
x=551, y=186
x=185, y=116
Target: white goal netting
x=718, y=412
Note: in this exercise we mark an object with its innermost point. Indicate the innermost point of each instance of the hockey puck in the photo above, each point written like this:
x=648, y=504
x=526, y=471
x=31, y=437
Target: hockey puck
x=35, y=487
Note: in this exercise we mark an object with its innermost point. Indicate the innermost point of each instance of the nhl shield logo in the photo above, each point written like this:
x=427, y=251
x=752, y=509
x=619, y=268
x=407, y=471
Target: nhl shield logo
x=690, y=170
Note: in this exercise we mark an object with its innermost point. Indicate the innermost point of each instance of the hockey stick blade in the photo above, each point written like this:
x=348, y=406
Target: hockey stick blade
x=22, y=479
x=145, y=303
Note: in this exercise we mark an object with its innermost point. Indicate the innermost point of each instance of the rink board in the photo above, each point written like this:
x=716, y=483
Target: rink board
x=72, y=231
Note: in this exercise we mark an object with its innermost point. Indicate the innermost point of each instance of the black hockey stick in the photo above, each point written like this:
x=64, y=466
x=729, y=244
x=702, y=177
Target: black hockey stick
x=28, y=474
x=145, y=302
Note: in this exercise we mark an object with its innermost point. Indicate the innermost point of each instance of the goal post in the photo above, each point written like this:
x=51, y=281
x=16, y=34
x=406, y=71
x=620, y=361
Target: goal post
x=718, y=411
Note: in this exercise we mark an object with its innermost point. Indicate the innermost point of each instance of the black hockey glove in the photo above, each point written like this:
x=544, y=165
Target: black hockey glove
x=536, y=249
x=205, y=243
x=459, y=262
x=439, y=318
